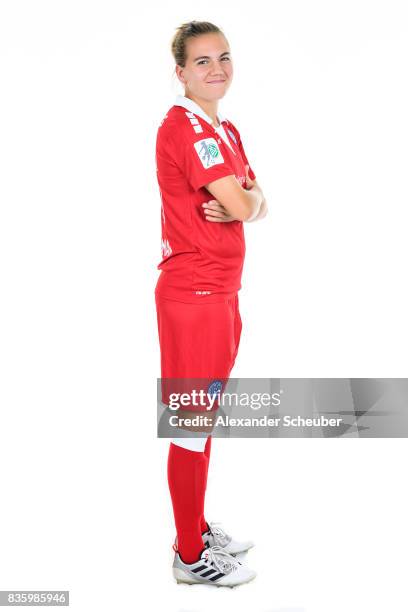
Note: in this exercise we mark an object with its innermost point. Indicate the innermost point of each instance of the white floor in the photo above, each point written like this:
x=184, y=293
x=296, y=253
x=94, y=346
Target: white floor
x=328, y=518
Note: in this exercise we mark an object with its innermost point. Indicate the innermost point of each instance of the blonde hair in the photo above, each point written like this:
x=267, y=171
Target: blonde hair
x=191, y=29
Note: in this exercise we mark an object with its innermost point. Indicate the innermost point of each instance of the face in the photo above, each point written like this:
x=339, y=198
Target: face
x=208, y=70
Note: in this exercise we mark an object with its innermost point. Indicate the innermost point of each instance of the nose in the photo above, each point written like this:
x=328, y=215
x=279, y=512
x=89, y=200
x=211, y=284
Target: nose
x=216, y=67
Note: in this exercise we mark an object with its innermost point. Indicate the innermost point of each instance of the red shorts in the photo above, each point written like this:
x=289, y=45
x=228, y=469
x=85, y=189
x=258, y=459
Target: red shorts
x=198, y=342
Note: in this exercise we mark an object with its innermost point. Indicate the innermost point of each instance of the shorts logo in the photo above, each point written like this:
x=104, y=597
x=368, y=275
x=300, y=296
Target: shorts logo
x=214, y=388
x=208, y=152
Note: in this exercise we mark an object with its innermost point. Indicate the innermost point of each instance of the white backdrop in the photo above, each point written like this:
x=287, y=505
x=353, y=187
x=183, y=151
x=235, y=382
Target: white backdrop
x=320, y=98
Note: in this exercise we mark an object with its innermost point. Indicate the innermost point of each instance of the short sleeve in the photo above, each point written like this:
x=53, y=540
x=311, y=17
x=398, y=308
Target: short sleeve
x=204, y=162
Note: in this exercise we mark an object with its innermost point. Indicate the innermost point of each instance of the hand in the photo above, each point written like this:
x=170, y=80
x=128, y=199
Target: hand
x=249, y=182
x=216, y=213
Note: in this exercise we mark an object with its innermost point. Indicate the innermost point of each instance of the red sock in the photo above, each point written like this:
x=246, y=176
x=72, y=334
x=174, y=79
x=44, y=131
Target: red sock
x=187, y=474
x=207, y=452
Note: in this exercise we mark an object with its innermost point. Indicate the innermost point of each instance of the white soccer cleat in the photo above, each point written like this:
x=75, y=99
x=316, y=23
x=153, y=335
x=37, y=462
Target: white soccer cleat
x=216, y=536
x=215, y=567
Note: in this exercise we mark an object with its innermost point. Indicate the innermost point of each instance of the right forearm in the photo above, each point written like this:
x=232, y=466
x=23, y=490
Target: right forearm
x=242, y=204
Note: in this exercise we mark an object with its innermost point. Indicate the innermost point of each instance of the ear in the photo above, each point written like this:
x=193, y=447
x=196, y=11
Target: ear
x=179, y=73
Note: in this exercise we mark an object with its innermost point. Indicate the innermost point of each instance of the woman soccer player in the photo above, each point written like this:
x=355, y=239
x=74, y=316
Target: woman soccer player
x=208, y=190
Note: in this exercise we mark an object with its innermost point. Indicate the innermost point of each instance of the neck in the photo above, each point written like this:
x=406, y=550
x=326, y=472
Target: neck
x=210, y=108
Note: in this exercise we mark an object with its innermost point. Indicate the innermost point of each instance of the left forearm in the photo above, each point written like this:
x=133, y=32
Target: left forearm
x=263, y=210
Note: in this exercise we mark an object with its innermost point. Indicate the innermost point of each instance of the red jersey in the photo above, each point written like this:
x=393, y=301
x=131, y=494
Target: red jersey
x=201, y=260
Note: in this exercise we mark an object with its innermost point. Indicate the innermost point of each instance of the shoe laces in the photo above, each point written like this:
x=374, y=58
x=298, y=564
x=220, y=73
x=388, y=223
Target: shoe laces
x=218, y=533
x=222, y=560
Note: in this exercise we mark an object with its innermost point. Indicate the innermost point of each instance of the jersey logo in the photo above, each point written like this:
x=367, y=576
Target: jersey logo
x=208, y=152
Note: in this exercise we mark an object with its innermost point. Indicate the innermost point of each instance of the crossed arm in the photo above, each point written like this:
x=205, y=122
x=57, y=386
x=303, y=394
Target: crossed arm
x=234, y=203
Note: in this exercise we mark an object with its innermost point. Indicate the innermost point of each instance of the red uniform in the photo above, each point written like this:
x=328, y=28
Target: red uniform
x=196, y=293
x=202, y=261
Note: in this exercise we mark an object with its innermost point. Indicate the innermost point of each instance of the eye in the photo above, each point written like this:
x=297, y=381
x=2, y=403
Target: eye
x=201, y=62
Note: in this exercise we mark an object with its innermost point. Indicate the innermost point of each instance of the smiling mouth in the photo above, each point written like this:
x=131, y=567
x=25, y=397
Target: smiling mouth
x=220, y=81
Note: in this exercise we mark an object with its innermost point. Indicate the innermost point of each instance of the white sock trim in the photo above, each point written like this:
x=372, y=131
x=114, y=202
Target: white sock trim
x=193, y=444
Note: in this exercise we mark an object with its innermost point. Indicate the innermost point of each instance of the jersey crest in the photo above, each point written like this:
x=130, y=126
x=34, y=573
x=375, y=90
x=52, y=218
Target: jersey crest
x=208, y=152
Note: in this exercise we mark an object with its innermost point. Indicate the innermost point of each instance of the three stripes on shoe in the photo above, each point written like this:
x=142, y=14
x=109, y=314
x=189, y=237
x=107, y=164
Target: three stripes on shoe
x=204, y=572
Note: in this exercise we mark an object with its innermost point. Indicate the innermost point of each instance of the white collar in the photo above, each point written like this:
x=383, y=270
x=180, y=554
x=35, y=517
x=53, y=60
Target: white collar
x=196, y=109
